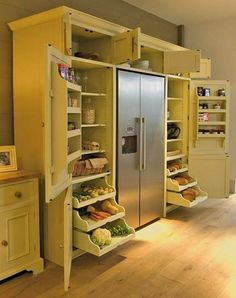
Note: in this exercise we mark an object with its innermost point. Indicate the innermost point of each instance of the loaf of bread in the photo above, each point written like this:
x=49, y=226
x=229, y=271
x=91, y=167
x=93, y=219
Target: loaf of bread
x=189, y=194
x=181, y=180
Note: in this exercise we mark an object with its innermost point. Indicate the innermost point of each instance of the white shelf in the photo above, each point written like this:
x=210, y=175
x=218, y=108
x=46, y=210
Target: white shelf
x=77, y=204
x=73, y=133
x=213, y=111
x=168, y=158
x=212, y=123
x=73, y=110
x=174, y=121
x=91, y=94
x=73, y=156
x=80, y=179
x=82, y=63
x=209, y=98
x=85, y=223
x=212, y=135
x=173, y=140
x=83, y=241
x=174, y=185
x=93, y=125
x=86, y=152
x=176, y=198
x=182, y=170
x=73, y=87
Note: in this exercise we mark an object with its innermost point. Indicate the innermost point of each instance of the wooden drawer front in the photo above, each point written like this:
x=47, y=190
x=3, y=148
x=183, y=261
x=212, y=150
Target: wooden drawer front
x=17, y=192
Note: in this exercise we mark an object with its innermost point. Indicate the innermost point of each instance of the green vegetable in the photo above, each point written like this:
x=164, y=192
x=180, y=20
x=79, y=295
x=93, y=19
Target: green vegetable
x=119, y=230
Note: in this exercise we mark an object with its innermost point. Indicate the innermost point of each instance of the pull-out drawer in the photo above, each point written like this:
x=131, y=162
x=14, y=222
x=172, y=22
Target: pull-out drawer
x=83, y=240
x=17, y=192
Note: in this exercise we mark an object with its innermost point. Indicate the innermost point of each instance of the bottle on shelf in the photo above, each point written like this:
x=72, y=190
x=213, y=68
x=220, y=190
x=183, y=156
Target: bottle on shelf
x=88, y=112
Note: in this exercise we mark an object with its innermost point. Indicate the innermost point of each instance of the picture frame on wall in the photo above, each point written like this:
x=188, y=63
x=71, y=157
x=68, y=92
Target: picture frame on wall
x=8, y=158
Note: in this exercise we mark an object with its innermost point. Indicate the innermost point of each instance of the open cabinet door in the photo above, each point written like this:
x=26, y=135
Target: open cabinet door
x=57, y=178
x=181, y=61
x=126, y=46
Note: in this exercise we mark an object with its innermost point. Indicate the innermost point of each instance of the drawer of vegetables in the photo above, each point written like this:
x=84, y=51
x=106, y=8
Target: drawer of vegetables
x=92, y=216
x=180, y=182
x=187, y=198
x=104, y=239
x=90, y=192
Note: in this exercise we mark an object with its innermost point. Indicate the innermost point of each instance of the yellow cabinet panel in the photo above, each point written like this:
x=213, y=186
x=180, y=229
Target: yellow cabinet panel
x=205, y=70
x=126, y=46
x=181, y=61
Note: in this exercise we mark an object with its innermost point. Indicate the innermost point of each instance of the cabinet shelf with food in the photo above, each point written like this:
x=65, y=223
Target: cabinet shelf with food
x=180, y=182
x=97, y=214
x=102, y=240
x=187, y=198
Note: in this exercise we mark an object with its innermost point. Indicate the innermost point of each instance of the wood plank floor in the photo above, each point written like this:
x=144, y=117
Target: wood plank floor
x=191, y=253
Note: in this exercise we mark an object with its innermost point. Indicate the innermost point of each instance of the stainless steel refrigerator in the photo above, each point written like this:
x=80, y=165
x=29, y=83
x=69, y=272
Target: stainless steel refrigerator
x=140, y=146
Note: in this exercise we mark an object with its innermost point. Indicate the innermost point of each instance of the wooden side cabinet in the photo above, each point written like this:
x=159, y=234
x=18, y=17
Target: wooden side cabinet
x=19, y=224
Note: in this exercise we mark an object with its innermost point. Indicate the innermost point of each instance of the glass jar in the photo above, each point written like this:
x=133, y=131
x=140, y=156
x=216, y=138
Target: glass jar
x=88, y=112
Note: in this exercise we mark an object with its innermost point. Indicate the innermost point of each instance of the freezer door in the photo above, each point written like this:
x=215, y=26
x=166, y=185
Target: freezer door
x=152, y=172
x=128, y=140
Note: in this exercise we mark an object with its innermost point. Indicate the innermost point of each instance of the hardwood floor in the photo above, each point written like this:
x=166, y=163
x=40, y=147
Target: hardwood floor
x=189, y=254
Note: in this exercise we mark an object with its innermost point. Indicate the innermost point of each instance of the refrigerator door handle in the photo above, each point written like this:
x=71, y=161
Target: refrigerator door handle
x=140, y=145
x=144, y=140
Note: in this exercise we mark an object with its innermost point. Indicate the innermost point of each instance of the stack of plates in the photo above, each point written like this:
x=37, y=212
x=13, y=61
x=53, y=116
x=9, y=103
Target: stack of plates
x=142, y=64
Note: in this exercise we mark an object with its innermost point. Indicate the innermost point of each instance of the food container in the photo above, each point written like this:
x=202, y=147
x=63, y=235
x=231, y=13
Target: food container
x=88, y=112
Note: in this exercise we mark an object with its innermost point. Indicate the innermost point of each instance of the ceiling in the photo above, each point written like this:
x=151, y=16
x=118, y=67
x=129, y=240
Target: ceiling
x=183, y=12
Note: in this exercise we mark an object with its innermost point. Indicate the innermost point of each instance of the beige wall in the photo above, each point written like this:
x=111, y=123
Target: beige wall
x=113, y=10
x=217, y=41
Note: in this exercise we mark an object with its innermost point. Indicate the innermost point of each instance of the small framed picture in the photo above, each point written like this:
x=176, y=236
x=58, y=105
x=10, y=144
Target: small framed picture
x=8, y=158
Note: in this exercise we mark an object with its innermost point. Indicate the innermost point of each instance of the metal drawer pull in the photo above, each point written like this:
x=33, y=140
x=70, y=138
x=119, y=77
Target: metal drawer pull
x=18, y=194
x=4, y=243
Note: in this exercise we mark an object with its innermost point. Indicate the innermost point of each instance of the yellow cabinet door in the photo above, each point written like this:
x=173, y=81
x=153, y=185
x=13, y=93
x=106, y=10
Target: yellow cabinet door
x=126, y=46
x=181, y=61
x=205, y=70
x=57, y=177
x=18, y=244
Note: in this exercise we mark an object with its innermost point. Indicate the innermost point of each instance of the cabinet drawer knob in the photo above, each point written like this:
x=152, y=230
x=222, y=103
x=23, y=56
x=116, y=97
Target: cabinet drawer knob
x=18, y=194
x=4, y=243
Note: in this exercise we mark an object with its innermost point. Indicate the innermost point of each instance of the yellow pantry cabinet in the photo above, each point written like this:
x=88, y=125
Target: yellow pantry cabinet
x=182, y=188
x=209, y=135
x=65, y=118
x=19, y=224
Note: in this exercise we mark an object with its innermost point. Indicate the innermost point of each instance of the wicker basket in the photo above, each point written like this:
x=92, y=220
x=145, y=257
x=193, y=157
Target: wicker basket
x=89, y=166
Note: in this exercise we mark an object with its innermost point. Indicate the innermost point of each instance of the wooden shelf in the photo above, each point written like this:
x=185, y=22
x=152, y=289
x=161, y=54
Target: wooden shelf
x=173, y=140
x=176, y=198
x=73, y=133
x=210, y=98
x=86, y=152
x=182, y=170
x=83, y=241
x=82, y=63
x=93, y=125
x=85, y=223
x=73, y=110
x=174, y=186
x=212, y=135
x=213, y=111
x=73, y=156
x=91, y=94
x=212, y=123
x=77, y=204
x=174, y=121
x=80, y=179
x=73, y=87
x=168, y=158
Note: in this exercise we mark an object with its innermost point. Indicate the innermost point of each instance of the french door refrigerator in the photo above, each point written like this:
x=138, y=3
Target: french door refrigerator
x=140, y=145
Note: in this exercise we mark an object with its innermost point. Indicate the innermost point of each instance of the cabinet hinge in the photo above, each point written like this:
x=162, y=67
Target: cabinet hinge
x=52, y=169
x=51, y=94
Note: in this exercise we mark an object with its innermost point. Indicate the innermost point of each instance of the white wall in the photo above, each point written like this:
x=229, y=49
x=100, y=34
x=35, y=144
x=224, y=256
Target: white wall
x=217, y=41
